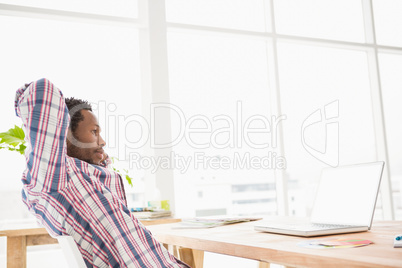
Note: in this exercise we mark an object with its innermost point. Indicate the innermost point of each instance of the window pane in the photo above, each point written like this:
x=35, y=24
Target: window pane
x=388, y=21
x=339, y=20
x=234, y=14
x=224, y=82
x=121, y=8
x=325, y=95
x=390, y=70
x=93, y=62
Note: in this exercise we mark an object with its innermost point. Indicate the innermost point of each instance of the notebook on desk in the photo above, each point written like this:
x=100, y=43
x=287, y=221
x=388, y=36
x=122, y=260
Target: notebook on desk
x=345, y=203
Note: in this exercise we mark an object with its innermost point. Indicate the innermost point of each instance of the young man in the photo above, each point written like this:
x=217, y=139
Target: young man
x=69, y=189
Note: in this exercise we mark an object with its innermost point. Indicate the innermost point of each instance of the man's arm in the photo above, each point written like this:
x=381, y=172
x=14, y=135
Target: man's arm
x=45, y=116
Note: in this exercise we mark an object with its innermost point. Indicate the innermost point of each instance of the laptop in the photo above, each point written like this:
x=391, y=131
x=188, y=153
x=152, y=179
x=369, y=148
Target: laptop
x=345, y=202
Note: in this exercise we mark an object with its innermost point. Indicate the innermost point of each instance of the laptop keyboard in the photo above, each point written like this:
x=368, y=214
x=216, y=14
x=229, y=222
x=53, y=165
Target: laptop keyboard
x=308, y=226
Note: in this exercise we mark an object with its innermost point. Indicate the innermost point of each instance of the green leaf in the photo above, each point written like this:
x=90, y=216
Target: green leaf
x=128, y=178
x=19, y=132
x=13, y=139
x=21, y=149
x=10, y=140
x=13, y=136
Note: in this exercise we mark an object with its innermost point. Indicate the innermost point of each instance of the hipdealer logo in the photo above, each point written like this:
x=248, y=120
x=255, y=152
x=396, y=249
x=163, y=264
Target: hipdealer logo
x=320, y=134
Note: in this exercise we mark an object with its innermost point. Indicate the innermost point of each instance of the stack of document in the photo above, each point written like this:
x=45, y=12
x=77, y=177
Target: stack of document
x=152, y=214
x=209, y=222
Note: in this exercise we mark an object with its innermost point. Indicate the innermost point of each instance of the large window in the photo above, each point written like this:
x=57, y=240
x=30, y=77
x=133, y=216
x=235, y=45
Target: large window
x=391, y=67
x=260, y=94
x=387, y=21
x=322, y=82
x=220, y=85
x=117, y=8
x=320, y=19
x=233, y=14
x=321, y=88
x=95, y=62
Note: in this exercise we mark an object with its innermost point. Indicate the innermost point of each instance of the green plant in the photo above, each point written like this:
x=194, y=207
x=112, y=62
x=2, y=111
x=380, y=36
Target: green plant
x=13, y=140
x=124, y=173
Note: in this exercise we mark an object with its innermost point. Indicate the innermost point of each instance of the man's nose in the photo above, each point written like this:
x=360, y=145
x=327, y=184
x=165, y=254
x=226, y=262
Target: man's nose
x=101, y=142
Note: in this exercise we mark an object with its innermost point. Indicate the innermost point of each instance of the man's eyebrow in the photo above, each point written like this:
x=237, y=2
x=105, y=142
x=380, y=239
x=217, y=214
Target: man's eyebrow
x=98, y=127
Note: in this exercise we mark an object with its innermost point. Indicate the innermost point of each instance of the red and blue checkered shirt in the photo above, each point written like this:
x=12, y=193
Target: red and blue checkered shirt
x=71, y=197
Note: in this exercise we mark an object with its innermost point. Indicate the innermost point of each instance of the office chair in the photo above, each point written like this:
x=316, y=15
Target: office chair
x=71, y=253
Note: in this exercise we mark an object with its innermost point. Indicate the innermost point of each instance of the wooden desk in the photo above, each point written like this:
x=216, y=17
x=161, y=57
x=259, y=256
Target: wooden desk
x=19, y=239
x=241, y=240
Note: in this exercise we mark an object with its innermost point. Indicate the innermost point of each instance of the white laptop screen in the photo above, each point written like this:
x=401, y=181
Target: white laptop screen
x=347, y=195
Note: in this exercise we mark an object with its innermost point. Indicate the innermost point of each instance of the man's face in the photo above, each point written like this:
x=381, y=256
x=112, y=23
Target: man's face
x=86, y=144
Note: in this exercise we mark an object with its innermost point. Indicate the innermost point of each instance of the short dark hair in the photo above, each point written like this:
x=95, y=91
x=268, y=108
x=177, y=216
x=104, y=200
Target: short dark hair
x=76, y=115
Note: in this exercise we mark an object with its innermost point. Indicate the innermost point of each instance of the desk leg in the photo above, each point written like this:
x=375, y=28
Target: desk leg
x=16, y=252
x=263, y=264
x=172, y=249
x=194, y=258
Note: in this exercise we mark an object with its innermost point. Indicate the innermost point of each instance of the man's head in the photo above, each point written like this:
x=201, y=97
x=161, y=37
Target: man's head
x=83, y=139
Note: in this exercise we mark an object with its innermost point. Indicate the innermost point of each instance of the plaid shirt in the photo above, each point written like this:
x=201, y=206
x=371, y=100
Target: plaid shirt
x=71, y=197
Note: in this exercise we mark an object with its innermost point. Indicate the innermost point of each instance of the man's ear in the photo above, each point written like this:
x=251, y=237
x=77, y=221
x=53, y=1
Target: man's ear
x=70, y=136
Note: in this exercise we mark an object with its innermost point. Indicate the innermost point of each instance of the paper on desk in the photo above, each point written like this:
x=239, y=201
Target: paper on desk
x=335, y=243
x=345, y=242
x=210, y=222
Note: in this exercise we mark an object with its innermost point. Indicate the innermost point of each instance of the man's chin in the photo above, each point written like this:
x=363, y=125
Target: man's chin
x=96, y=162
x=93, y=162
x=89, y=161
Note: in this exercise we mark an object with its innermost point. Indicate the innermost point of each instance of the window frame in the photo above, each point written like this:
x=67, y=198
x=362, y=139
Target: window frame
x=155, y=76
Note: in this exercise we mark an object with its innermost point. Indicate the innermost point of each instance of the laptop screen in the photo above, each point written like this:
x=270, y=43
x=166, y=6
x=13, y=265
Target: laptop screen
x=347, y=195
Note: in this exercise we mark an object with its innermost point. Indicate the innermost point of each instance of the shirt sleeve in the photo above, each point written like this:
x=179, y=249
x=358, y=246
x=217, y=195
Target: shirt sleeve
x=42, y=109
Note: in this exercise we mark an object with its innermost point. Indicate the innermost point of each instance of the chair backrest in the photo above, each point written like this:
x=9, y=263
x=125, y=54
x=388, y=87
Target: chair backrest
x=70, y=250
